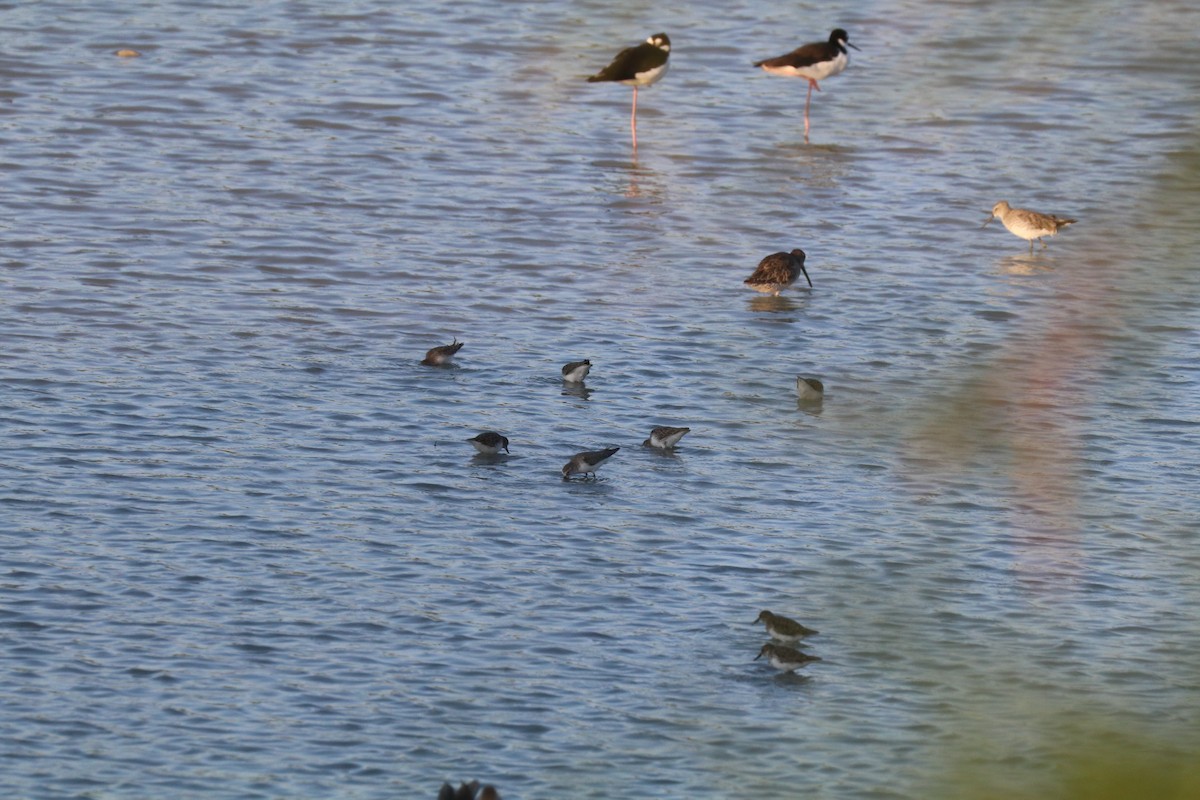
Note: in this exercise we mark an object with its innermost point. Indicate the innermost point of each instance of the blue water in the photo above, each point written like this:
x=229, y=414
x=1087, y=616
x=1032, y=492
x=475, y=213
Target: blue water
x=248, y=552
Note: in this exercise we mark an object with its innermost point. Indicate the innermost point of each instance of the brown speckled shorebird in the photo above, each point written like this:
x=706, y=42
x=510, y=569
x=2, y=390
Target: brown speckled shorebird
x=778, y=271
x=782, y=628
x=1029, y=225
x=785, y=659
x=440, y=355
x=587, y=463
x=664, y=437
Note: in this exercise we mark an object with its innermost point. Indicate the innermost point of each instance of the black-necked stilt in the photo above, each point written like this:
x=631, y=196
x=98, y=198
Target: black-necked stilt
x=778, y=271
x=638, y=66
x=664, y=437
x=784, y=659
x=782, y=628
x=814, y=62
x=1029, y=225
x=440, y=355
x=489, y=443
x=588, y=462
x=576, y=371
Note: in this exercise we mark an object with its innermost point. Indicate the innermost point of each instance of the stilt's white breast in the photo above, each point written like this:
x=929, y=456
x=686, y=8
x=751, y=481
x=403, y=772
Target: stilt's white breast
x=649, y=76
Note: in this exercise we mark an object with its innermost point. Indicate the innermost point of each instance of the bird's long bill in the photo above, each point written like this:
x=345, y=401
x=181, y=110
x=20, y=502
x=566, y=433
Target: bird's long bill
x=757, y=657
x=856, y=47
x=986, y=221
x=802, y=269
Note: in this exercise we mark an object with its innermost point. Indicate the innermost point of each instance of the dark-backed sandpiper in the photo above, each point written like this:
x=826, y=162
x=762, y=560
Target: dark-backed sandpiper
x=785, y=659
x=489, y=443
x=664, y=437
x=576, y=371
x=440, y=355
x=587, y=463
x=782, y=628
x=778, y=271
x=810, y=390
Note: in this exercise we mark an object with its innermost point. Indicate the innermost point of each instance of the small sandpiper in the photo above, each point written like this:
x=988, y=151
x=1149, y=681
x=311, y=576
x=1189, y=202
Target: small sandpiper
x=814, y=62
x=587, y=463
x=440, y=355
x=1029, y=225
x=782, y=628
x=778, y=271
x=785, y=659
x=810, y=390
x=638, y=66
x=489, y=443
x=664, y=437
x=576, y=371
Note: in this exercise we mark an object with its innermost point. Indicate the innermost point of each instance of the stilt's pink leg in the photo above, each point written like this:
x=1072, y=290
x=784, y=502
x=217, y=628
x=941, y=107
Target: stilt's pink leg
x=807, y=100
x=633, y=118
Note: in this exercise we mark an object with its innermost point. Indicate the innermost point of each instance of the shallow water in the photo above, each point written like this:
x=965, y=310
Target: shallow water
x=250, y=554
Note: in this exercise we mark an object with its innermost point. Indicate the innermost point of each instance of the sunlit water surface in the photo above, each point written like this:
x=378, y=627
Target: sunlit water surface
x=247, y=551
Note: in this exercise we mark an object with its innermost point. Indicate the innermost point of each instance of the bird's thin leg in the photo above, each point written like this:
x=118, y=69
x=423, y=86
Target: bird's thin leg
x=633, y=118
x=1031, y=247
x=807, y=100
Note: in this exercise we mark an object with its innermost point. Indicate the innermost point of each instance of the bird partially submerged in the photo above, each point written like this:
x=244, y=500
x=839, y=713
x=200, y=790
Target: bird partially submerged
x=438, y=356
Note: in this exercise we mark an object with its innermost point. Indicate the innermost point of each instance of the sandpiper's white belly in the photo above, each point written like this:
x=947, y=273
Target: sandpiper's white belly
x=1022, y=227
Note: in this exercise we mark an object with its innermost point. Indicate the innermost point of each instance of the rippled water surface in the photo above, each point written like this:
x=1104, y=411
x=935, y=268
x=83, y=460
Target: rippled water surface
x=247, y=551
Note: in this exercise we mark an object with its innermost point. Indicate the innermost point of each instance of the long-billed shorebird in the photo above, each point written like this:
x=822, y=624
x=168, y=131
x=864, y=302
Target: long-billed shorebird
x=778, y=271
x=440, y=355
x=785, y=659
x=664, y=437
x=782, y=628
x=638, y=66
x=1029, y=225
x=587, y=463
x=814, y=62
x=576, y=371
x=489, y=443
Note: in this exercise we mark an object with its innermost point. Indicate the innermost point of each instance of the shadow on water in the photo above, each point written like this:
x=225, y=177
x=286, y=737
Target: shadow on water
x=776, y=304
x=1024, y=264
x=490, y=459
x=811, y=407
x=633, y=180
x=576, y=390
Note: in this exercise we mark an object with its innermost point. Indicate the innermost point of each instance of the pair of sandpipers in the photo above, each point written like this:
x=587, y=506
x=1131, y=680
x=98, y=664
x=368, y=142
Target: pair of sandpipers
x=782, y=629
x=646, y=64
